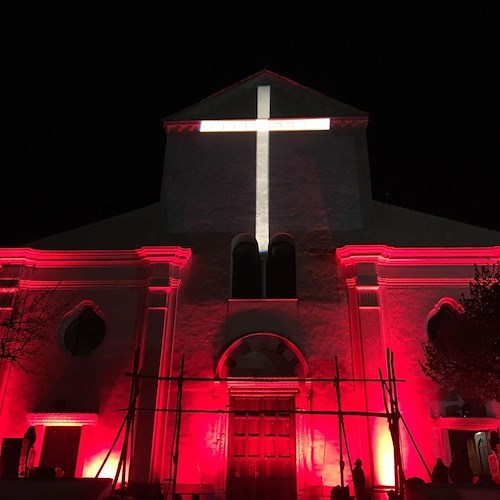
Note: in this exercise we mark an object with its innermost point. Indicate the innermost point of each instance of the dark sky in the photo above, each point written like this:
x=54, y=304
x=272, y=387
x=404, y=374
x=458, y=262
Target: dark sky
x=86, y=84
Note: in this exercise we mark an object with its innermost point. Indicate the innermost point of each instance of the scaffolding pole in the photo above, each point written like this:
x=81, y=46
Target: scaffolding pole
x=342, y=432
x=127, y=425
x=392, y=409
x=178, y=427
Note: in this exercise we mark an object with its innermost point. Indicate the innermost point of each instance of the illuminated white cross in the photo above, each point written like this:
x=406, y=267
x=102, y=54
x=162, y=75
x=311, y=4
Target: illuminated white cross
x=263, y=125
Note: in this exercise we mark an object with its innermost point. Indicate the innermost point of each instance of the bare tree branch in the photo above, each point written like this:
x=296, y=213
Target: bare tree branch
x=29, y=324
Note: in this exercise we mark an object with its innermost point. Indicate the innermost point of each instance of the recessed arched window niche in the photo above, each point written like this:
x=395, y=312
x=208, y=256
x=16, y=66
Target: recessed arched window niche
x=245, y=268
x=82, y=330
x=270, y=275
x=280, y=268
x=262, y=355
x=443, y=313
x=440, y=329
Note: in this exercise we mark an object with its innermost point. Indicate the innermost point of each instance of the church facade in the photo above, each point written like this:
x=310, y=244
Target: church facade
x=236, y=339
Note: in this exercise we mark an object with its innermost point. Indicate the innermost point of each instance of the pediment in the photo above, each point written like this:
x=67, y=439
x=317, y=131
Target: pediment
x=289, y=99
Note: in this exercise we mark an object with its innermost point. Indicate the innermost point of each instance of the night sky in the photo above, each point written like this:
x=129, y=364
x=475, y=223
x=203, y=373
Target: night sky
x=86, y=84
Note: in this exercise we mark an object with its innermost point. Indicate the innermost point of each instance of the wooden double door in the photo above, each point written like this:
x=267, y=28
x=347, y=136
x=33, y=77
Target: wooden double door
x=261, y=449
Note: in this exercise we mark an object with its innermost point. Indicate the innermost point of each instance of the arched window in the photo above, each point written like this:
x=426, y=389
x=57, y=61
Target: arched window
x=280, y=268
x=441, y=318
x=82, y=330
x=245, y=268
x=262, y=355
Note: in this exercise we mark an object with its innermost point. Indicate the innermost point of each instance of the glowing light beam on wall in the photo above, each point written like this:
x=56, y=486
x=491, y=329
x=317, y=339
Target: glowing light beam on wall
x=384, y=455
x=262, y=126
x=110, y=467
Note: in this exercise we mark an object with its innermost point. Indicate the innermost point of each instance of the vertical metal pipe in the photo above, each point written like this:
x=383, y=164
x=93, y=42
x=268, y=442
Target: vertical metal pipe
x=178, y=426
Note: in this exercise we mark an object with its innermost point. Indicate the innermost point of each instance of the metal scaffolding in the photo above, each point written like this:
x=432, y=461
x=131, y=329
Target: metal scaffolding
x=391, y=414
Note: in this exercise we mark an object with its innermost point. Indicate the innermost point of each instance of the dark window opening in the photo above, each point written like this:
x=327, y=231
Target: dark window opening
x=248, y=281
x=441, y=324
x=280, y=270
x=246, y=275
x=84, y=333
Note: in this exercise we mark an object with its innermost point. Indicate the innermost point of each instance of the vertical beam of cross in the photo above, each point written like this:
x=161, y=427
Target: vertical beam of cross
x=262, y=168
x=262, y=126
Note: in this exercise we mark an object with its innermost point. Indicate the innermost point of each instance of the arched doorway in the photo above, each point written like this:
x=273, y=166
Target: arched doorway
x=262, y=369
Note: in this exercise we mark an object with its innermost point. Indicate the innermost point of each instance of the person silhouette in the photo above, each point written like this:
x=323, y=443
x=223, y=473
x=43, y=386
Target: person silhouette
x=440, y=473
x=359, y=480
x=29, y=453
x=495, y=442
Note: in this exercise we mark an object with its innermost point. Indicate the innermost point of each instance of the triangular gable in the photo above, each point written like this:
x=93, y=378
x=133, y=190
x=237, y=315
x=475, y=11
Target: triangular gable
x=289, y=100
x=381, y=223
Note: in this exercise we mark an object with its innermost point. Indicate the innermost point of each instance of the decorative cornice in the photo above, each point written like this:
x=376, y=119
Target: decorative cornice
x=413, y=266
x=176, y=256
x=468, y=423
x=259, y=387
x=348, y=121
x=174, y=282
x=79, y=284
x=427, y=282
x=189, y=126
x=63, y=419
x=178, y=127
x=417, y=256
x=94, y=258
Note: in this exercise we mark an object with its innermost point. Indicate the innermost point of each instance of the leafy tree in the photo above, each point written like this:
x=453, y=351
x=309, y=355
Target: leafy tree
x=465, y=354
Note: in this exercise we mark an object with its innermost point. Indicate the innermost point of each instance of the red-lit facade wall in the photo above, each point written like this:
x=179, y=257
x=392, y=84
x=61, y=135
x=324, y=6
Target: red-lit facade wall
x=382, y=299
x=393, y=292
x=355, y=305
x=128, y=288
